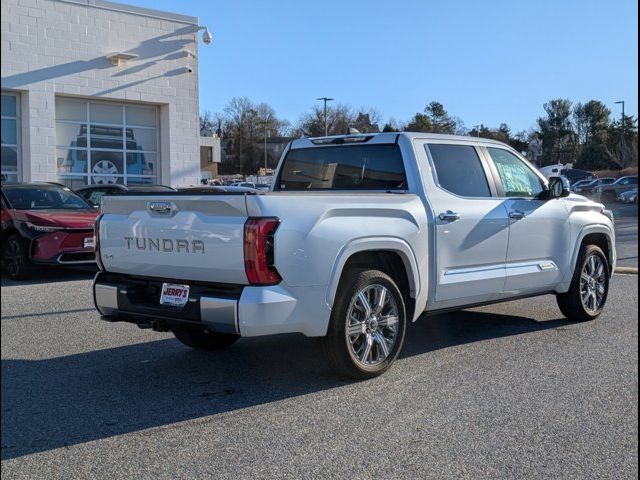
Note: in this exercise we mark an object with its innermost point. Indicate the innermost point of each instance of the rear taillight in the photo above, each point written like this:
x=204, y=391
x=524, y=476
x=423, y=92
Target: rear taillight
x=259, y=251
x=96, y=242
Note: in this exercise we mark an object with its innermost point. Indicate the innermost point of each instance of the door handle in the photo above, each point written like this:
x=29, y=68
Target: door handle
x=449, y=216
x=516, y=215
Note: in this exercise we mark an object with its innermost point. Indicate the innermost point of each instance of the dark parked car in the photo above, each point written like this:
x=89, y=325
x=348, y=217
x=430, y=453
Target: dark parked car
x=590, y=187
x=93, y=193
x=576, y=187
x=44, y=224
x=609, y=193
x=218, y=188
x=575, y=175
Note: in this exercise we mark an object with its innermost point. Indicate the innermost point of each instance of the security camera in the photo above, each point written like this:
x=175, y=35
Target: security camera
x=207, y=38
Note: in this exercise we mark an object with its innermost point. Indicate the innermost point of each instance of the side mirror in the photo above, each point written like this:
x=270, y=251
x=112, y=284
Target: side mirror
x=559, y=187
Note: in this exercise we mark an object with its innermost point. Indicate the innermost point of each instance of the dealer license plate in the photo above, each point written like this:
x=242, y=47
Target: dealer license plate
x=174, y=295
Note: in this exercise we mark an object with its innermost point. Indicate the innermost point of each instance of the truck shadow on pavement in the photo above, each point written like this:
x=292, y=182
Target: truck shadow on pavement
x=57, y=402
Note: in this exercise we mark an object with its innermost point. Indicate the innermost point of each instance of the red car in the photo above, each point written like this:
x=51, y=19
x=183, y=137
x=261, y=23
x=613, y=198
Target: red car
x=47, y=224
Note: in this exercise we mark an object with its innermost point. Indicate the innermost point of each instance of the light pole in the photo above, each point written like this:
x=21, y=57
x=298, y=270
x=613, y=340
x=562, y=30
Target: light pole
x=477, y=127
x=265, y=124
x=624, y=140
x=325, y=100
x=240, y=139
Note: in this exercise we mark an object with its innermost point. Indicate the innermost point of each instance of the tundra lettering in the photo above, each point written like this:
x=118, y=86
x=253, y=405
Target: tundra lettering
x=372, y=232
x=168, y=245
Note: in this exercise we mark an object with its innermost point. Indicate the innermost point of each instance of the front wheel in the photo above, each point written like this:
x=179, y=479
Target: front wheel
x=589, y=289
x=15, y=258
x=204, y=339
x=367, y=325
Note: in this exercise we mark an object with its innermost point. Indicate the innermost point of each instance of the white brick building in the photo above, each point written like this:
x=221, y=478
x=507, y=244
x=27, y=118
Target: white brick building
x=95, y=91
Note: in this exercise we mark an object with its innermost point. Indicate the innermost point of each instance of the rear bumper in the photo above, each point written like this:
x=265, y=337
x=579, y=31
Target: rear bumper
x=135, y=300
x=245, y=310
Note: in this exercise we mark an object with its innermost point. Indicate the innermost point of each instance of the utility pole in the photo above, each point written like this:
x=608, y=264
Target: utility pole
x=477, y=127
x=622, y=125
x=325, y=100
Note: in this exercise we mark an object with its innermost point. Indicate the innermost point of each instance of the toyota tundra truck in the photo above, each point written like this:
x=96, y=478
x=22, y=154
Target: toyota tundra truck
x=359, y=235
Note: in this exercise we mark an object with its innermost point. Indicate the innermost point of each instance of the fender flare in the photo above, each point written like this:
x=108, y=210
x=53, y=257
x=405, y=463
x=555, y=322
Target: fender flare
x=359, y=245
x=588, y=230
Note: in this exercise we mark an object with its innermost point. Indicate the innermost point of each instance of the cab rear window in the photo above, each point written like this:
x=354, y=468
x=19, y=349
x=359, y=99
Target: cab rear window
x=347, y=167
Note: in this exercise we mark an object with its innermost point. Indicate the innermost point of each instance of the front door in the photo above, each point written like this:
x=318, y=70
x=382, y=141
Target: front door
x=471, y=227
x=539, y=233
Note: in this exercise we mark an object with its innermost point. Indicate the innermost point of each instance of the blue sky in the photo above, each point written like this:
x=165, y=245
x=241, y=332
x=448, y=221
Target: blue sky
x=486, y=61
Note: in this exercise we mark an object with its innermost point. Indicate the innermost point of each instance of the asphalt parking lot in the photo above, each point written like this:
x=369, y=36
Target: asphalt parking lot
x=507, y=391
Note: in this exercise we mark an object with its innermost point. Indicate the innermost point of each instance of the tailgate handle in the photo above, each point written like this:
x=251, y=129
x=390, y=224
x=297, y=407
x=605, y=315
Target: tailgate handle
x=162, y=208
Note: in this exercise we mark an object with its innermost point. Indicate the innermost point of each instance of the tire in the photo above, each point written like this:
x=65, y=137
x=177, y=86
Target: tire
x=377, y=338
x=587, y=282
x=204, y=339
x=16, y=261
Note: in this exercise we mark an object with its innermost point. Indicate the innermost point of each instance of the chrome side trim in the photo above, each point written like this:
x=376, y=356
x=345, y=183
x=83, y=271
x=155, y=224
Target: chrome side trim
x=220, y=314
x=106, y=298
x=474, y=274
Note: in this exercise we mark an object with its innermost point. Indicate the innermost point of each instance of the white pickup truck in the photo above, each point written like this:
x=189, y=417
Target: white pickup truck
x=359, y=235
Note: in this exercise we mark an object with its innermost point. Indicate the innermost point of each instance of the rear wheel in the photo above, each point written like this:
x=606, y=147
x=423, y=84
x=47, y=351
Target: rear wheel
x=16, y=262
x=204, y=339
x=367, y=325
x=589, y=289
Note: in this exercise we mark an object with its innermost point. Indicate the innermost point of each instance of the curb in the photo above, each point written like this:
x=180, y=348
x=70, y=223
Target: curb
x=627, y=270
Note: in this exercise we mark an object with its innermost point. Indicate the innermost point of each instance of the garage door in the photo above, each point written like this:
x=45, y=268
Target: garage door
x=106, y=143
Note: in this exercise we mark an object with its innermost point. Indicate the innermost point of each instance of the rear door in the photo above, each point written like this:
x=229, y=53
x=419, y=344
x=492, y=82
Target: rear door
x=539, y=234
x=195, y=237
x=471, y=226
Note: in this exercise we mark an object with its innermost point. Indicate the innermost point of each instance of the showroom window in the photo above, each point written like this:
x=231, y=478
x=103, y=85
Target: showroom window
x=10, y=138
x=106, y=143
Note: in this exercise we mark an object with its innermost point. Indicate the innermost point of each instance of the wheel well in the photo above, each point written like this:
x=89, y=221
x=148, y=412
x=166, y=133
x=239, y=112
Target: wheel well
x=8, y=233
x=389, y=262
x=602, y=241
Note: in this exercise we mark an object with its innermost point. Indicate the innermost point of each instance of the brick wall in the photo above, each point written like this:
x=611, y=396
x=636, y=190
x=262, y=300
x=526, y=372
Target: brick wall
x=58, y=47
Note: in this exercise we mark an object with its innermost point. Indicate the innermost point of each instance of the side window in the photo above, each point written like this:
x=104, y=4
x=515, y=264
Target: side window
x=518, y=180
x=459, y=170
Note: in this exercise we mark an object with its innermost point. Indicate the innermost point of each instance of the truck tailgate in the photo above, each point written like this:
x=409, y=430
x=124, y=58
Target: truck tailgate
x=195, y=237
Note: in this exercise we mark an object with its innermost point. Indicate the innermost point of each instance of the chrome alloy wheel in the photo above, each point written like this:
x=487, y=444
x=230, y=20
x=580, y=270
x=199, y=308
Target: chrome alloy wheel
x=593, y=283
x=372, y=325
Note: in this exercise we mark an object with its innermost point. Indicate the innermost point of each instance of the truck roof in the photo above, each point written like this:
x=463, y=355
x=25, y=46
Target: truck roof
x=387, y=137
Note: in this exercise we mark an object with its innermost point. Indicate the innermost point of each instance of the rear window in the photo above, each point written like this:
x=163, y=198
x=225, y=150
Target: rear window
x=353, y=167
x=44, y=198
x=459, y=170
